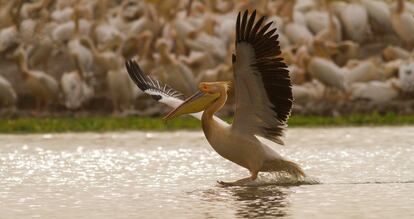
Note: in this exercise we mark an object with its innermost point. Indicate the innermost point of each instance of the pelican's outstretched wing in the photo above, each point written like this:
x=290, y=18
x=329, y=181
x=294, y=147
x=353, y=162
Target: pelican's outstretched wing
x=158, y=91
x=262, y=84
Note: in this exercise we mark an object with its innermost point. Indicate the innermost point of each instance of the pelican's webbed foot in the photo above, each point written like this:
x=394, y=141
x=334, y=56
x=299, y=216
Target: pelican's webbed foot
x=239, y=182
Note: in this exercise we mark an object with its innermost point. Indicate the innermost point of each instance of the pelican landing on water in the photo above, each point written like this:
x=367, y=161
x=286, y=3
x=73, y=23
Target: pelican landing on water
x=263, y=101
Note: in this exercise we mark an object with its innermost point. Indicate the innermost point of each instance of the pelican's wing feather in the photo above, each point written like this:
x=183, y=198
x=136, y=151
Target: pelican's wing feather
x=262, y=84
x=157, y=90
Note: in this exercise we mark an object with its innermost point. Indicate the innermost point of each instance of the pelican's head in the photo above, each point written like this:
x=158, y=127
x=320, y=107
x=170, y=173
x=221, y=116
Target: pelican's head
x=208, y=93
x=214, y=87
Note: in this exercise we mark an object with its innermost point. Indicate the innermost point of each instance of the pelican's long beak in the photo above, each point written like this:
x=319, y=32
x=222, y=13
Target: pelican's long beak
x=196, y=103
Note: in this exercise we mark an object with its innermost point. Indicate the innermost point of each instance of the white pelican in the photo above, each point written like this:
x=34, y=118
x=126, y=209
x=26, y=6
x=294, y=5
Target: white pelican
x=62, y=15
x=392, y=68
x=121, y=90
x=263, y=102
x=327, y=72
x=7, y=15
x=355, y=21
x=308, y=93
x=379, y=16
x=406, y=77
x=8, y=38
x=375, y=91
x=29, y=8
x=394, y=52
x=44, y=87
x=8, y=96
x=74, y=87
x=403, y=23
x=363, y=71
x=65, y=32
x=175, y=71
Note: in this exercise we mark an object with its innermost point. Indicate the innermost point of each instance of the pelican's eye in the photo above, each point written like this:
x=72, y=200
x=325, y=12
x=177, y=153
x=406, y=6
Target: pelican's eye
x=205, y=87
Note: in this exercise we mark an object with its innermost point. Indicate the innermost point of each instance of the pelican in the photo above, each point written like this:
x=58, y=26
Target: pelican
x=363, y=71
x=43, y=86
x=263, y=98
x=394, y=52
x=406, y=77
x=8, y=96
x=355, y=21
x=75, y=89
x=375, y=91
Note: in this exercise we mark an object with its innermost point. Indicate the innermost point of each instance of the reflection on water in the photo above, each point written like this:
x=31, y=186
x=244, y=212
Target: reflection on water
x=260, y=202
x=247, y=202
x=364, y=173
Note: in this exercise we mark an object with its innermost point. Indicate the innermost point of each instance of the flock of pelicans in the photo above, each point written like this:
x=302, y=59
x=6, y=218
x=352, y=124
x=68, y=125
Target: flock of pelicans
x=68, y=52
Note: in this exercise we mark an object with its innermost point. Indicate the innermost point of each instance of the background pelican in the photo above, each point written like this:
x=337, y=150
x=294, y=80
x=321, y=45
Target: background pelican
x=263, y=101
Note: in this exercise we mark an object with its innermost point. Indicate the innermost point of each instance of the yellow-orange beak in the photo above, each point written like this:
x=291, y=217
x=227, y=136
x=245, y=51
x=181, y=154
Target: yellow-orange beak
x=196, y=103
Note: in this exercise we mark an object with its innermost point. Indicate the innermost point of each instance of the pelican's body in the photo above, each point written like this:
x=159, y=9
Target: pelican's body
x=42, y=86
x=406, y=77
x=121, y=90
x=374, y=91
x=263, y=102
x=8, y=97
x=403, y=23
x=75, y=89
x=327, y=72
x=355, y=22
x=8, y=38
x=251, y=153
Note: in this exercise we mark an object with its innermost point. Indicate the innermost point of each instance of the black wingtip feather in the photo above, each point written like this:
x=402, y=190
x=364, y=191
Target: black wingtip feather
x=145, y=82
x=135, y=73
x=250, y=25
x=256, y=28
x=238, y=28
x=243, y=26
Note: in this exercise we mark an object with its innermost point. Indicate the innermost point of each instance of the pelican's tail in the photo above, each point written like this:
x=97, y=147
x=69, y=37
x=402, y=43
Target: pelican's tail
x=284, y=166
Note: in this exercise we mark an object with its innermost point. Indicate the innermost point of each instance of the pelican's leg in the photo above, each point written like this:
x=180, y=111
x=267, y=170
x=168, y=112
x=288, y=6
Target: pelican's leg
x=241, y=181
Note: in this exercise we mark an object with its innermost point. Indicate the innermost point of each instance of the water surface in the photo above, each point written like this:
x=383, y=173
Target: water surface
x=364, y=173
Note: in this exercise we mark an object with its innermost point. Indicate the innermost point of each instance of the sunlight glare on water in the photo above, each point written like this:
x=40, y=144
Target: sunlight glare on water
x=364, y=173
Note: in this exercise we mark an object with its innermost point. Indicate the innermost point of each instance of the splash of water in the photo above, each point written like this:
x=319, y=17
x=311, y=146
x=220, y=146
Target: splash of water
x=281, y=179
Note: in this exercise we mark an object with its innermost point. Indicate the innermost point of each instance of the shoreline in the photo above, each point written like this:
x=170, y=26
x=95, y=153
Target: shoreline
x=135, y=123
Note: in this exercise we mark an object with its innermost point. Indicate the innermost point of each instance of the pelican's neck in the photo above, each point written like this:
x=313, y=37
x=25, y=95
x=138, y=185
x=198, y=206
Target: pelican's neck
x=102, y=11
x=207, y=120
x=400, y=6
x=165, y=56
x=15, y=14
x=145, y=51
x=146, y=46
x=331, y=23
x=290, y=7
x=87, y=43
x=23, y=65
x=75, y=19
x=79, y=68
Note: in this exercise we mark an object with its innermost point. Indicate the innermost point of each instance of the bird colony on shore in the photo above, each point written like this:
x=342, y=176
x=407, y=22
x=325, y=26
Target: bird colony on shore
x=70, y=52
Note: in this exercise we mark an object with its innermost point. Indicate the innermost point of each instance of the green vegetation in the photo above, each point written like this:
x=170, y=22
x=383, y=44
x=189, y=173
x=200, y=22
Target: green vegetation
x=102, y=124
x=352, y=120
